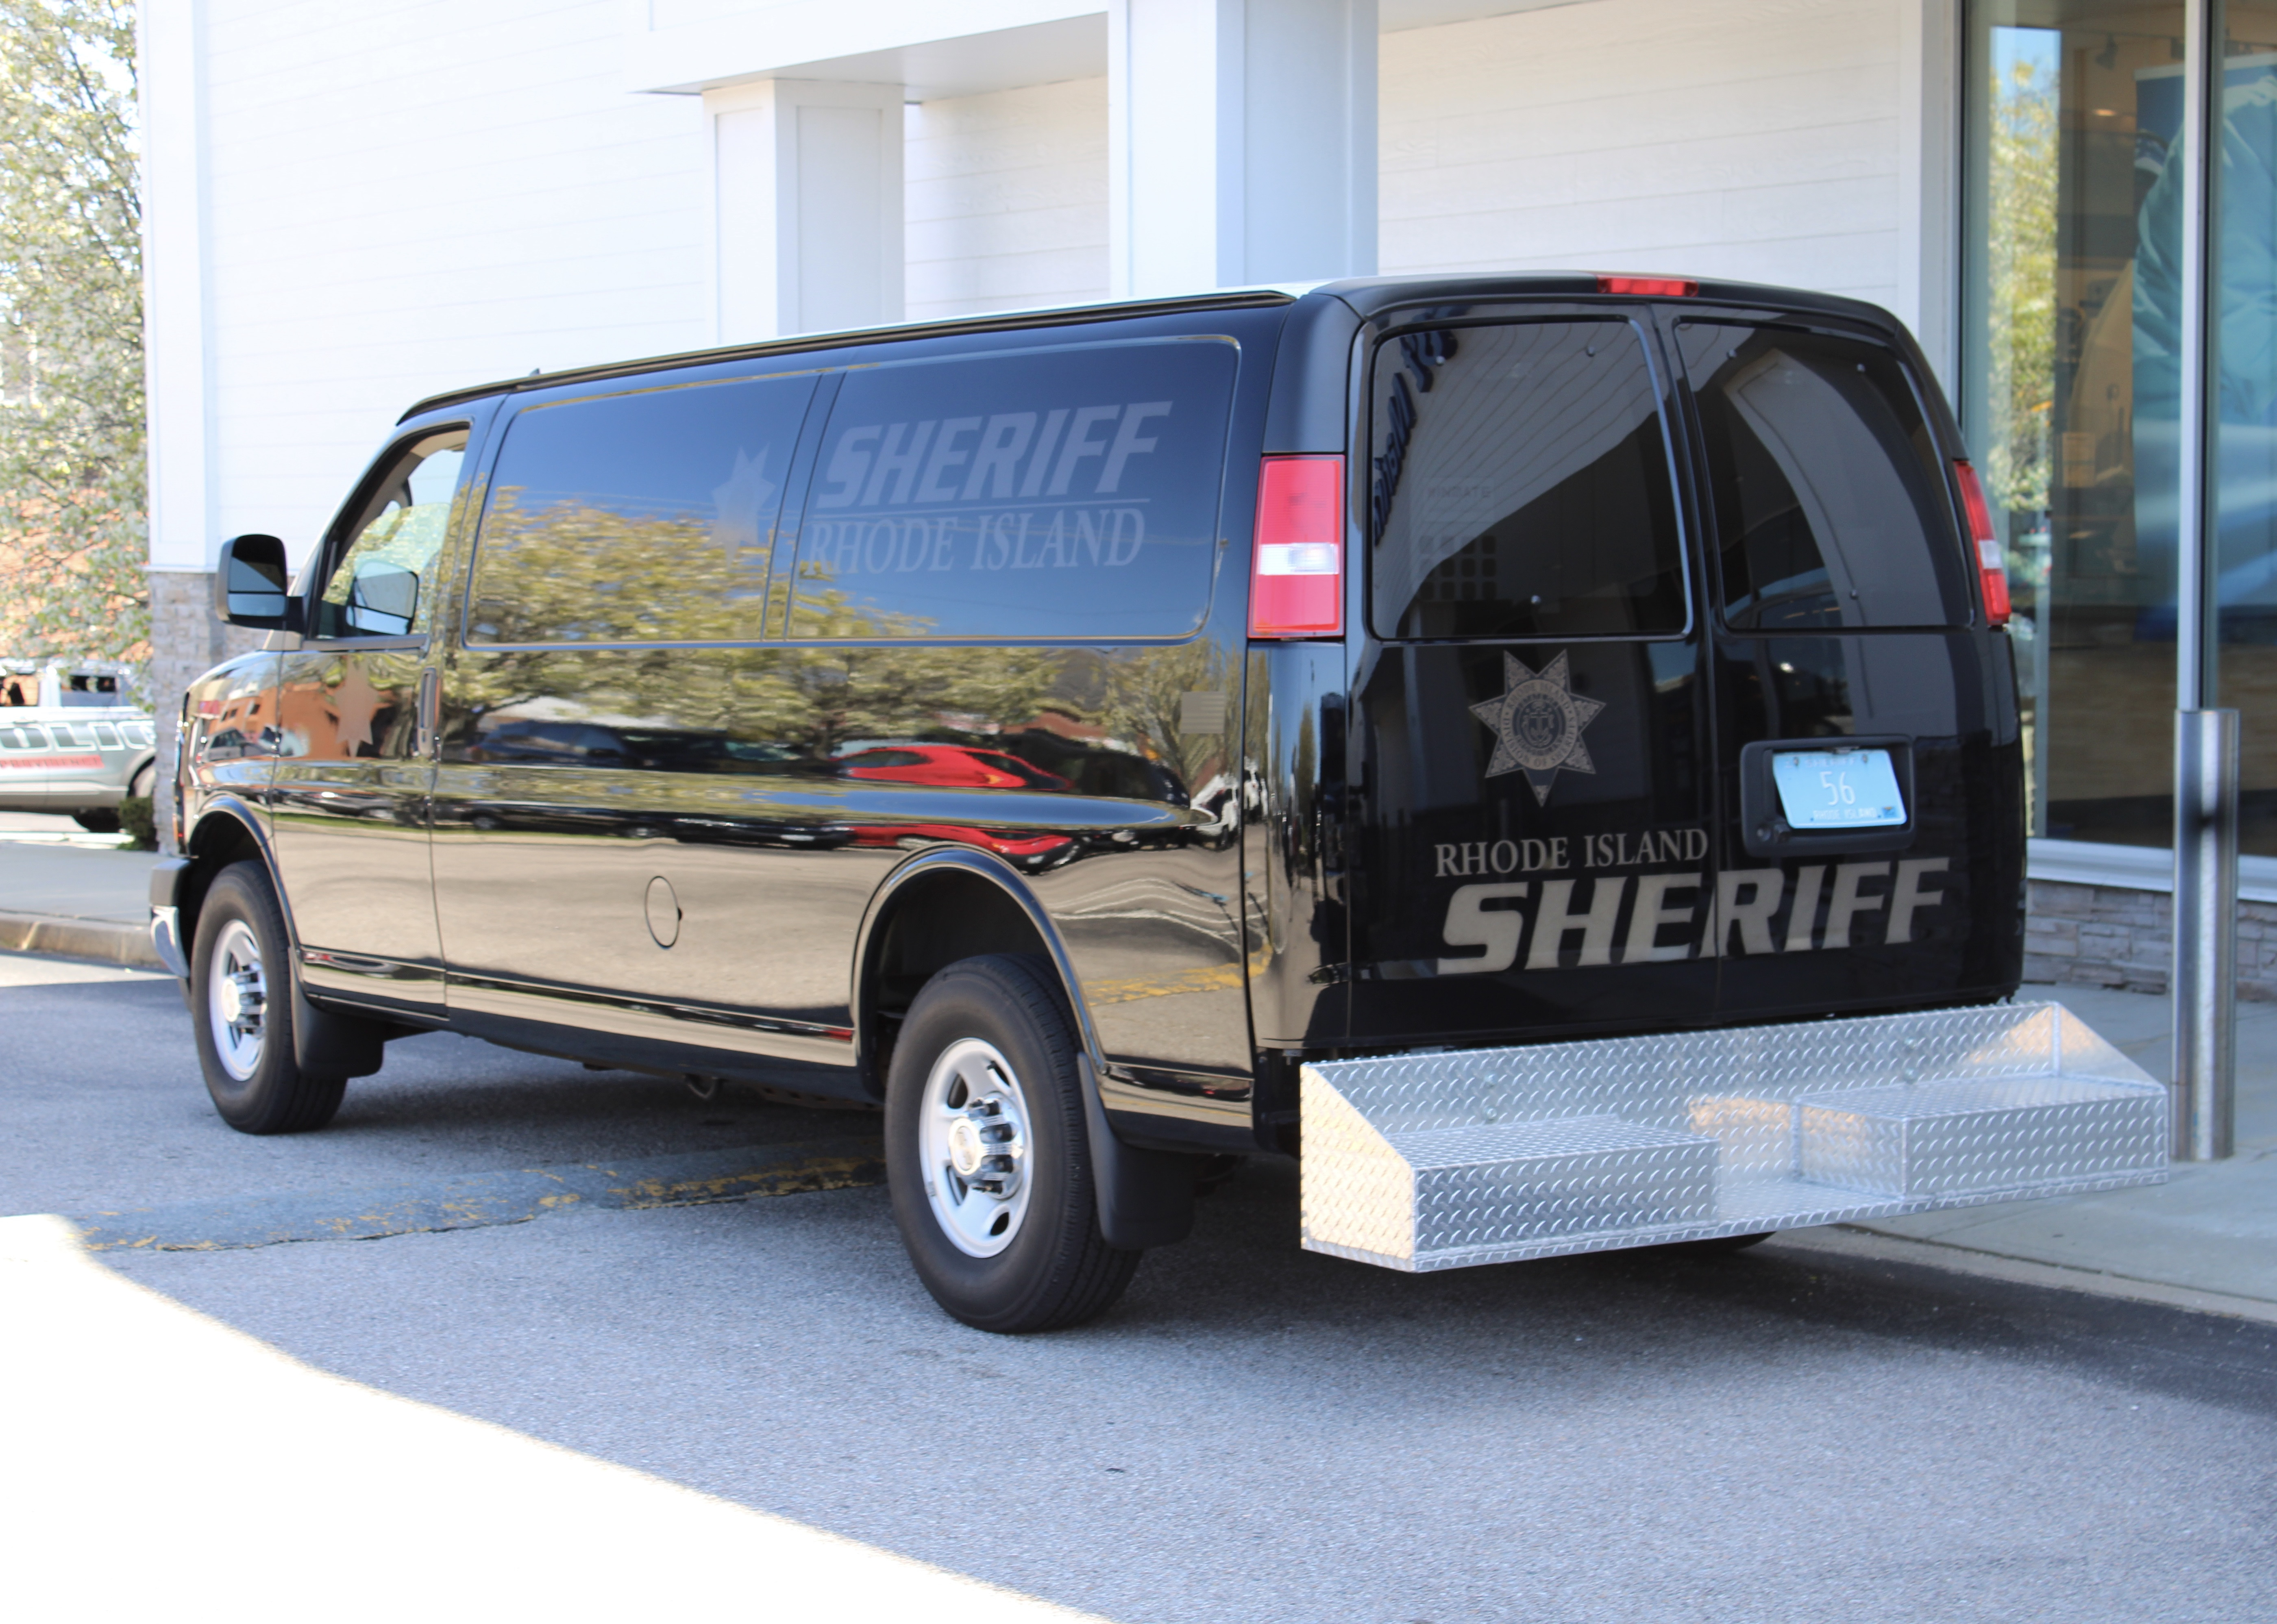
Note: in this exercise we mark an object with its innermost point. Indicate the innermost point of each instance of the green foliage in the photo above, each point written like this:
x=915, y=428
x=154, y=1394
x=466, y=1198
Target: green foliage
x=137, y=818
x=72, y=476
x=2026, y=162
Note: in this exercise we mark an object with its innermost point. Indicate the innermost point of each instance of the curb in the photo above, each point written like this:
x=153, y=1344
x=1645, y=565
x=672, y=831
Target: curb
x=105, y=940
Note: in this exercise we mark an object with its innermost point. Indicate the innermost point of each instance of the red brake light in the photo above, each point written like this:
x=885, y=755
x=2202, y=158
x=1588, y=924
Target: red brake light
x=1297, y=574
x=1992, y=567
x=1648, y=287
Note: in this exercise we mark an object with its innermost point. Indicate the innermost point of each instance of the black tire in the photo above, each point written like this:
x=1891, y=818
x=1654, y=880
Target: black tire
x=146, y=782
x=1056, y=1269
x=97, y=820
x=256, y=1082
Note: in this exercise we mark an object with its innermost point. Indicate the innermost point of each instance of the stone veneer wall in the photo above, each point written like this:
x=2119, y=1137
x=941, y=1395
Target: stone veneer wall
x=186, y=640
x=2105, y=936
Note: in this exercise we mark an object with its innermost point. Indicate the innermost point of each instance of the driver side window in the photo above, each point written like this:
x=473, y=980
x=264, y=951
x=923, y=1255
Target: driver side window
x=384, y=584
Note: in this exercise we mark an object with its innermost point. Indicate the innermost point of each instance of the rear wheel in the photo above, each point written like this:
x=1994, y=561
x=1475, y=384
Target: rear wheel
x=146, y=782
x=987, y=1153
x=242, y=1002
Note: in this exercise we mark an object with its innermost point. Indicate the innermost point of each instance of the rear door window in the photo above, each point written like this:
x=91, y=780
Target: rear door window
x=1829, y=497
x=1063, y=493
x=1520, y=485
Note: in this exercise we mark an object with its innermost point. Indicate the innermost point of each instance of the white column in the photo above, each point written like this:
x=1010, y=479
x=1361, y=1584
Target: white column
x=1928, y=180
x=177, y=327
x=1241, y=142
x=806, y=190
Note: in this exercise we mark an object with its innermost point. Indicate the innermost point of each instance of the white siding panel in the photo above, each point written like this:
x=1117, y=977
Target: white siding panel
x=1006, y=198
x=1755, y=139
x=410, y=195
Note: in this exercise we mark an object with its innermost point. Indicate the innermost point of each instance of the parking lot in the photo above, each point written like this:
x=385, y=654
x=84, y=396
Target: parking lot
x=1255, y=1433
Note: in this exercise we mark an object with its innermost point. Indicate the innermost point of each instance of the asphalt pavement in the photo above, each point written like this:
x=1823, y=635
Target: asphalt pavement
x=50, y=865
x=1255, y=1433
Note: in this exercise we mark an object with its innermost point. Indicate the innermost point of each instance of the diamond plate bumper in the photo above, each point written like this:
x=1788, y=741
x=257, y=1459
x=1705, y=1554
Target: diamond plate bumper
x=1420, y=1162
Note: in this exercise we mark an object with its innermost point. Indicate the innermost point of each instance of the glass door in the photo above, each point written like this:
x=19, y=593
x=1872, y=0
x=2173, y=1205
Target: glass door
x=2070, y=390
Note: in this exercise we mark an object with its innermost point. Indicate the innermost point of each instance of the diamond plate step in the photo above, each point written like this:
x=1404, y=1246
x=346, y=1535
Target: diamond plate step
x=1423, y=1162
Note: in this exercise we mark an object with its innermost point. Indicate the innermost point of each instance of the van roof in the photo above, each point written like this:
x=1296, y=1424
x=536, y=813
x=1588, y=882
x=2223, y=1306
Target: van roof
x=1366, y=295
x=994, y=321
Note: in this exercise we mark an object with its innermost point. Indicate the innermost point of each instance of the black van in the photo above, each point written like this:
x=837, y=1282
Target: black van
x=1072, y=731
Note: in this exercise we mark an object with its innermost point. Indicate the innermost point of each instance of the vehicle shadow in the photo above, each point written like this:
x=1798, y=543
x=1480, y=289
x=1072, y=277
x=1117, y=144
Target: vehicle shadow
x=1662, y=1308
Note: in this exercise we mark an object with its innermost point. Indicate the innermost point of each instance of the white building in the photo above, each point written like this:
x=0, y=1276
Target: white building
x=351, y=206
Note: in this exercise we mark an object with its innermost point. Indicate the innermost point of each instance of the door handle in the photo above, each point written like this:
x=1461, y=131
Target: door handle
x=431, y=690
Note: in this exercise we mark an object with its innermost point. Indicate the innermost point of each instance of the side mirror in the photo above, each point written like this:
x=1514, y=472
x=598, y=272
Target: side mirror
x=253, y=588
x=382, y=600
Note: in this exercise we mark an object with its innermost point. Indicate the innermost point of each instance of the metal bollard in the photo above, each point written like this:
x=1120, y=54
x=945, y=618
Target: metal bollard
x=2206, y=934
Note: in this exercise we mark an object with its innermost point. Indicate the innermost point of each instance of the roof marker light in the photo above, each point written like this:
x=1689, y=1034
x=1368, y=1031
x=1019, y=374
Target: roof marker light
x=1991, y=566
x=1296, y=574
x=1650, y=287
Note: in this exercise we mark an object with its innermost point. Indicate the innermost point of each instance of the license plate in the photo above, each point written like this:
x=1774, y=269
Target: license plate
x=1837, y=789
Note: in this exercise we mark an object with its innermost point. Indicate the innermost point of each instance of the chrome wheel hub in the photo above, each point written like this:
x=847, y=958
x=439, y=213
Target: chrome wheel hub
x=237, y=996
x=973, y=1137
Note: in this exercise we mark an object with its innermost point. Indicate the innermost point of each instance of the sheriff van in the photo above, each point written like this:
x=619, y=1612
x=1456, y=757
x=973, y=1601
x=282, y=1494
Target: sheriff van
x=1543, y=750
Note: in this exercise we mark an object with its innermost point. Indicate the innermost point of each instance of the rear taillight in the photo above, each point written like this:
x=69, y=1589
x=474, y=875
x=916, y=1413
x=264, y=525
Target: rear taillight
x=1992, y=567
x=1648, y=287
x=1296, y=575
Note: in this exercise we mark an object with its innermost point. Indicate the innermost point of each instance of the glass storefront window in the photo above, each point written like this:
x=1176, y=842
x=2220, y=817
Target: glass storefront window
x=2069, y=393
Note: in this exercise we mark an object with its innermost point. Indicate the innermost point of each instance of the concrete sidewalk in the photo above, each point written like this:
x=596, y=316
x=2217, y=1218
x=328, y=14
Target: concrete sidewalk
x=63, y=891
x=2210, y=1232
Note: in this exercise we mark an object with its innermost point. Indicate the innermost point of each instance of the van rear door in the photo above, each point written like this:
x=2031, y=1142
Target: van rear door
x=1866, y=722
x=1530, y=824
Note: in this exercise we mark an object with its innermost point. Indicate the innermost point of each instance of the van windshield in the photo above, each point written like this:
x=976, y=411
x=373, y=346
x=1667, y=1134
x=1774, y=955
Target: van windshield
x=1829, y=497
x=1520, y=485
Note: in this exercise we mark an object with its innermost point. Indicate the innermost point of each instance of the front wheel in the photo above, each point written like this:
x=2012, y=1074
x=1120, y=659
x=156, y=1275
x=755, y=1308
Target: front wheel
x=986, y=1154
x=242, y=1004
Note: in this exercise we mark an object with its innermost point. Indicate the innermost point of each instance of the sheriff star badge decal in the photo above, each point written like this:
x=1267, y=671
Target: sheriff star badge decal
x=1537, y=724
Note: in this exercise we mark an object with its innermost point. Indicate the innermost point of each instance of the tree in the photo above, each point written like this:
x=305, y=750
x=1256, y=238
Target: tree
x=2026, y=165
x=72, y=476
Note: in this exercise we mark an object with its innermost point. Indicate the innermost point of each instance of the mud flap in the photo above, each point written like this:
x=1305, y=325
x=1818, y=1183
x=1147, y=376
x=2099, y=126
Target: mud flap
x=1145, y=1197
x=328, y=1043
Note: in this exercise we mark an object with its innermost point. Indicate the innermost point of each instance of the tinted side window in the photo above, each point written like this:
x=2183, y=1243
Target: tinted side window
x=1061, y=493
x=1520, y=485
x=647, y=516
x=1829, y=497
